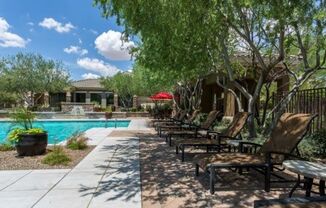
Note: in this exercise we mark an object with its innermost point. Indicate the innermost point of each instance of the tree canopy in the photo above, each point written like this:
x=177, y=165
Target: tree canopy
x=140, y=81
x=25, y=74
x=187, y=40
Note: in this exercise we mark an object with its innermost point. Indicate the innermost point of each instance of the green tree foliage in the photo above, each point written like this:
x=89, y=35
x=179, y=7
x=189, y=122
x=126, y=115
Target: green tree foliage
x=29, y=73
x=189, y=39
x=147, y=82
x=121, y=83
x=141, y=82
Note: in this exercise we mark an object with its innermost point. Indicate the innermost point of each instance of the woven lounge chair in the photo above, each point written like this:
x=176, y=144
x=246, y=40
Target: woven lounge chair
x=172, y=118
x=178, y=125
x=176, y=121
x=179, y=117
x=231, y=132
x=194, y=130
x=285, y=137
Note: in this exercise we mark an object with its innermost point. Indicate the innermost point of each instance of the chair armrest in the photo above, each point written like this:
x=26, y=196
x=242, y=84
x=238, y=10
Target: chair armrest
x=250, y=144
x=213, y=132
x=220, y=137
x=228, y=137
x=286, y=155
x=253, y=145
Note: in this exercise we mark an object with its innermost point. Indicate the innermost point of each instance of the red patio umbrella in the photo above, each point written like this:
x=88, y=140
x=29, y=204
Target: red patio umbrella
x=162, y=96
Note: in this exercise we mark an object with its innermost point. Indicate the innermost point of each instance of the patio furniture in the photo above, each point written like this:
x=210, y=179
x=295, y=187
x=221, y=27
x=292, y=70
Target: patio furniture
x=231, y=132
x=310, y=171
x=285, y=137
x=194, y=130
x=176, y=117
x=296, y=202
x=178, y=125
x=177, y=120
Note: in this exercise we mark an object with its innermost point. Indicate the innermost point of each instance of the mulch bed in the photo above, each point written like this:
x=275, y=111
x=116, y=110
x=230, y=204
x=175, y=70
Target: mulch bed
x=10, y=161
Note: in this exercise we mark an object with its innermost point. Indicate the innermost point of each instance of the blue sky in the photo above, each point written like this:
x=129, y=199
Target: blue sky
x=71, y=31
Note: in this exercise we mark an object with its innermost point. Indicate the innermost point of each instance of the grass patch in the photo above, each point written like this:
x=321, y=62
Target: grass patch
x=77, y=142
x=6, y=147
x=56, y=157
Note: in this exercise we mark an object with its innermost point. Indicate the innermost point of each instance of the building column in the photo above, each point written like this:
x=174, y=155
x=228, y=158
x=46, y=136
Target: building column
x=135, y=101
x=46, y=99
x=74, y=97
x=88, y=97
x=103, y=100
x=116, y=101
x=68, y=96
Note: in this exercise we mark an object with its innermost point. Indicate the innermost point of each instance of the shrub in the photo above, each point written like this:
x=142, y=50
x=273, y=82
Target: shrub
x=56, y=157
x=200, y=118
x=222, y=125
x=77, y=142
x=6, y=147
x=24, y=118
x=14, y=134
x=133, y=109
x=148, y=108
x=314, y=145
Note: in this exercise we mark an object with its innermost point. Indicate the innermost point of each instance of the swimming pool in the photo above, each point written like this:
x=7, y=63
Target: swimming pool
x=60, y=130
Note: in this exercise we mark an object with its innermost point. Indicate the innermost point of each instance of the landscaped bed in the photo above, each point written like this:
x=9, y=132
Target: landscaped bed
x=10, y=161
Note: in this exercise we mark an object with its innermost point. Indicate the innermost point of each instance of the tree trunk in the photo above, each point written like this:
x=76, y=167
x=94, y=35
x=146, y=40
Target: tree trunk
x=251, y=119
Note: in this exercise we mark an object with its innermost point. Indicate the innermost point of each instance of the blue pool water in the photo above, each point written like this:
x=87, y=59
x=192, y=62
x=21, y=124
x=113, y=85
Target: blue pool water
x=61, y=130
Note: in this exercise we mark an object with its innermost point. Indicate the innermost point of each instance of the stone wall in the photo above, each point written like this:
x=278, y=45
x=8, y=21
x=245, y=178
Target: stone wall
x=67, y=107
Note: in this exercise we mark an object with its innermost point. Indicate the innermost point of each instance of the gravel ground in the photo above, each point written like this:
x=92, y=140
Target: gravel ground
x=10, y=161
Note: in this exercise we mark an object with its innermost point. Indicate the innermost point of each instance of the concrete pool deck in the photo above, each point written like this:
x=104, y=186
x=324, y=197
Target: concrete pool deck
x=108, y=177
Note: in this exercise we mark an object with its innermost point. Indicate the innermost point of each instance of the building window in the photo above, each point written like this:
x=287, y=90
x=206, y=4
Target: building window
x=96, y=98
x=109, y=99
x=80, y=98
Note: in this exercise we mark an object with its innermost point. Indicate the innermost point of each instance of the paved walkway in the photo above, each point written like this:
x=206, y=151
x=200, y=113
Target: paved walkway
x=108, y=177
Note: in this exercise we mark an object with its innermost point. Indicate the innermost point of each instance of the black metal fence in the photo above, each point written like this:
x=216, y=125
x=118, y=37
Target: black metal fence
x=308, y=101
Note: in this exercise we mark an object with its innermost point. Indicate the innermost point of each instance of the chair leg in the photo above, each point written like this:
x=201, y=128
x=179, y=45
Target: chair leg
x=240, y=170
x=308, y=186
x=170, y=140
x=211, y=179
x=197, y=170
x=267, y=178
x=176, y=149
x=297, y=184
x=322, y=188
x=182, y=153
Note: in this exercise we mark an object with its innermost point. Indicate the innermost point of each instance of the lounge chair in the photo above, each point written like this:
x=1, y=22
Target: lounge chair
x=178, y=120
x=178, y=125
x=289, y=131
x=231, y=132
x=172, y=118
x=194, y=130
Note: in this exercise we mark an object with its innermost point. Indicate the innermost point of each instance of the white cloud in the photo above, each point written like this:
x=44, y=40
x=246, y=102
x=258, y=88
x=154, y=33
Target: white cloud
x=80, y=41
x=51, y=23
x=98, y=66
x=75, y=50
x=30, y=23
x=8, y=39
x=110, y=45
x=90, y=76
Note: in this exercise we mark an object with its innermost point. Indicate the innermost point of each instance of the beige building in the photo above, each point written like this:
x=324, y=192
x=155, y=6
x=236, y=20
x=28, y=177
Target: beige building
x=88, y=92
